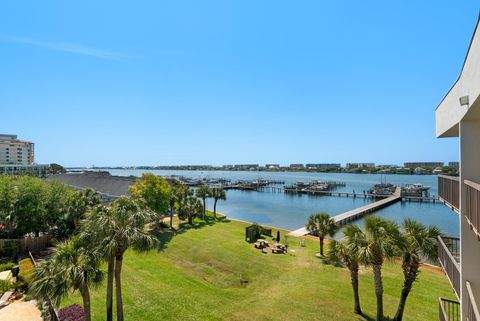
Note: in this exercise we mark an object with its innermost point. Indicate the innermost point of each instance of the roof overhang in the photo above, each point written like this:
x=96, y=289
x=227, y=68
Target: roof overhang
x=451, y=111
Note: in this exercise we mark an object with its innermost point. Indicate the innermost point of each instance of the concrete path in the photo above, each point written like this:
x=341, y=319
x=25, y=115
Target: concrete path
x=20, y=311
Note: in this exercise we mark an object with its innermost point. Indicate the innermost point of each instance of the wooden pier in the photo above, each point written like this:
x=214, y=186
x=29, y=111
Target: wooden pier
x=357, y=213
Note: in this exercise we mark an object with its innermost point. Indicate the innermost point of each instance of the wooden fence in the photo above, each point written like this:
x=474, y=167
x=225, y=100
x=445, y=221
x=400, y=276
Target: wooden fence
x=22, y=246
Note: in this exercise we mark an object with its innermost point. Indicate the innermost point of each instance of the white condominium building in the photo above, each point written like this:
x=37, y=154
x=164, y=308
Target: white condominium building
x=15, y=152
x=458, y=115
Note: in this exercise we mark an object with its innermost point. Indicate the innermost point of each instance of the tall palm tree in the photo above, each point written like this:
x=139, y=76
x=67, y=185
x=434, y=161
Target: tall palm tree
x=419, y=241
x=127, y=230
x=71, y=267
x=115, y=230
x=204, y=192
x=218, y=193
x=379, y=241
x=322, y=225
x=347, y=252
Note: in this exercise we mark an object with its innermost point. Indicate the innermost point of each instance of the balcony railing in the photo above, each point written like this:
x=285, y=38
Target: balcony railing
x=449, y=190
x=449, y=264
x=472, y=309
x=448, y=310
x=472, y=206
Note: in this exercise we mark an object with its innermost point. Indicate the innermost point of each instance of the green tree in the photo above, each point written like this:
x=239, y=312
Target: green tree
x=204, y=192
x=154, y=191
x=322, y=225
x=114, y=230
x=418, y=241
x=376, y=243
x=189, y=208
x=347, y=252
x=218, y=193
x=71, y=267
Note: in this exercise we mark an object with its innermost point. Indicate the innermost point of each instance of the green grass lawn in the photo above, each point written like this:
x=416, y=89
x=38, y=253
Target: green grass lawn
x=196, y=276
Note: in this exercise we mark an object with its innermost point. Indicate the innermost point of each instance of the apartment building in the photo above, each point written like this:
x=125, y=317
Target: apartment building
x=423, y=164
x=324, y=165
x=458, y=115
x=15, y=152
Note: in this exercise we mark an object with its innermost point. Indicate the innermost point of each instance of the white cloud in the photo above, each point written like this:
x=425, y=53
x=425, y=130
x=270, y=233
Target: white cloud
x=66, y=47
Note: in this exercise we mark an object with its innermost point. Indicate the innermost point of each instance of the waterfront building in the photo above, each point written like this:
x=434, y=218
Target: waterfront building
x=458, y=115
x=360, y=165
x=455, y=165
x=423, y=164
x=420, y=171
x=39, y=170
x=297, y=166
x=246, y=167
x=325, y=166
x=14, y=151
x=272, y=166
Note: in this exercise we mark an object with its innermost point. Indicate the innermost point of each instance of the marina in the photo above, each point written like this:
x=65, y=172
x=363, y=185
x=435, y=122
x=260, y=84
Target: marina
x=272, y=206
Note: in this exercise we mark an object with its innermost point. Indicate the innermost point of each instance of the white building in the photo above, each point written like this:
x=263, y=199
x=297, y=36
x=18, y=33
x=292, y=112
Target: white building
x=15, y=152
x=458, y=115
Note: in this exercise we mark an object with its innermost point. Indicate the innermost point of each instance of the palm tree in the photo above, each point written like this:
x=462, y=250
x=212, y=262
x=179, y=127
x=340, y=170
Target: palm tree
x=203, y=192
x=419, y=242
x=218, y=193
x=127, y=231
x=379, y=241
x=347, y=253
x=115, y=230
x=322, y=225
x=178, y=194
x=190, y=208
x=71, y=267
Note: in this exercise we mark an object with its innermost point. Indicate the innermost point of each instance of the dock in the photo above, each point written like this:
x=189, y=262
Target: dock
x=350, y=216
x=357, y=213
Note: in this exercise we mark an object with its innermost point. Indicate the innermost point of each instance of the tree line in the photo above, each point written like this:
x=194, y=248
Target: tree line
x=105, y=233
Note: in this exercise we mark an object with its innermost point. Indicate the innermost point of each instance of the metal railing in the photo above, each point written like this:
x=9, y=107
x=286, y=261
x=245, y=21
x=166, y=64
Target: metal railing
x=472, y=309
x=448, y=310
x=449, y=190
x=450, y=265
x=472, y=205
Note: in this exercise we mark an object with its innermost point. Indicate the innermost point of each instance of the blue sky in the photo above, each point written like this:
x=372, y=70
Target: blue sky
x=220, y=82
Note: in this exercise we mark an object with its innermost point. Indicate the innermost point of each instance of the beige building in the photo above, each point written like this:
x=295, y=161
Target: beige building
x=15, y=152
x=458, y=115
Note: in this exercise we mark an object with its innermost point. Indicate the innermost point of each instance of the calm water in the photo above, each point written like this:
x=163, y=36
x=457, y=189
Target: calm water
x=291, y=211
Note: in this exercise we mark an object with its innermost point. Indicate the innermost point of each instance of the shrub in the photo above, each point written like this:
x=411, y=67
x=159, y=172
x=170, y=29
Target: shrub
x=72, y=313
x=6, y=266
x=9, y=248
x=26, y=270
x=5, y=285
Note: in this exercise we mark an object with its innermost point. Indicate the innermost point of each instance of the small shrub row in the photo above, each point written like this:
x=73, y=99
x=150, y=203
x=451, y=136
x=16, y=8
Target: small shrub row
x=6, y=266
x=5, y=285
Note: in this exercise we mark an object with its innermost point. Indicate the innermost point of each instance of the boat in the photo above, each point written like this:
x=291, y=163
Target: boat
x=416, y=189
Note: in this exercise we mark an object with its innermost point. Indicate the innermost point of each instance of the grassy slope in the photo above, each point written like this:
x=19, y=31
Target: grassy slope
x=196, y=277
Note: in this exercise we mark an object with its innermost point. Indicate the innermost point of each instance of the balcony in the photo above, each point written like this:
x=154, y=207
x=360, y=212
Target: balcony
x=449, y=191
x=449, y=258
x=472, y=309
x=472, y=206
x=448, y=310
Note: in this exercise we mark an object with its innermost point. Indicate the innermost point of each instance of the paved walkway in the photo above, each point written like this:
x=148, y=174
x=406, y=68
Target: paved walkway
x=20, y=311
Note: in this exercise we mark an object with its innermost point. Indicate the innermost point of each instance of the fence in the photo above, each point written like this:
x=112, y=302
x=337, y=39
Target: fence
x=22, y=246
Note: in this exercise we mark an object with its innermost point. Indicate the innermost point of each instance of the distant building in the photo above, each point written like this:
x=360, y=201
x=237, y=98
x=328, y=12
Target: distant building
x=325, y=165
x=423, y=164
x=15, y=152
x=455, y=165
x=272, y=166
x=297, y=166
x=36, y=170
x=420, y=171
x=438, y=170
x=360, y=165
x=246, y=167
